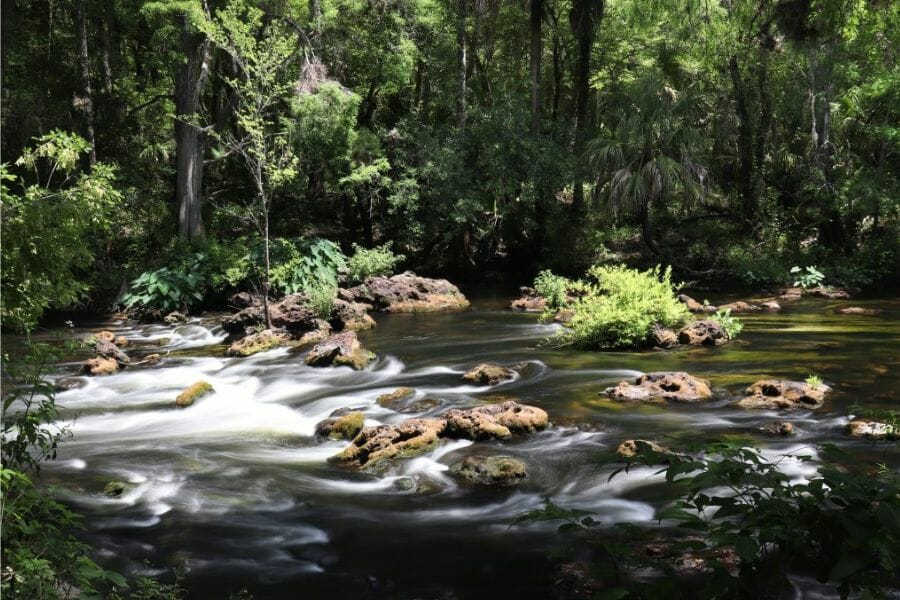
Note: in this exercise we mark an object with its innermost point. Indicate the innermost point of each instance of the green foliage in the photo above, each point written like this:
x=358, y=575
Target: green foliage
x=168, y=289
x=814, y=381
x=807, y=277
x=732, y=325
x=553, y=288
x=622, y=307
x=374, y=262
x=48, y=227
x=304, y=265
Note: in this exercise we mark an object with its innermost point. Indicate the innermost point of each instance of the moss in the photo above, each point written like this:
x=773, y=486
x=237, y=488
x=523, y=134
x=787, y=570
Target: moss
x=114, y=489
x=391, y=399
x=193, y=393
x=256, y=343
x=358, y=359
x=347, y=426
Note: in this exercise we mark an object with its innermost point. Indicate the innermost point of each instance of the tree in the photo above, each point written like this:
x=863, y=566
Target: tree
x=263, y=51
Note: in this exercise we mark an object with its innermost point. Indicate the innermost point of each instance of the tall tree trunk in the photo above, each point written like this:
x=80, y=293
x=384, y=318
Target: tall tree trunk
x=582, y=21
x=745, y=145
x=190, y=141
x=461, y=62
x=557, y=67
x=536, y=14
x=86, y=102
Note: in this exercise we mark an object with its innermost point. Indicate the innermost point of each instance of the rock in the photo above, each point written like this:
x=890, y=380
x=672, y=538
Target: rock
x=241, y=300
x=873, y=430
x=106, y=349
x=859, y=310
x=829, y=293
x=375, y=445
x=564, y=316
x=392, y=399
x=663, y=338
x=740, y=307
x=340, y=349
x=495, y=421
x=500, y=471
x=114, y=489
x=783, y=394
x=105, y=336
x=69, y=383
x=174, y=318
x=790, y=294
x=316, y=335
x=770, y=306
x=163, y=341
x=193, y=393
x=694, y=306
x=703, y=333
x=489, y=374
x=529, y=301
x=407, y=292
x=258, y=342
x=691, y=564
x=292, y=313
x=631, y=448
x=351, y=316
x=121, y=341
x=100, y=366
x=658, y=387
x=151, y=359
x=342, y=424
x=782, y=428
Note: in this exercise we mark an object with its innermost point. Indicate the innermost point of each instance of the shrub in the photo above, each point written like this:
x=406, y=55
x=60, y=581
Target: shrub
x=378, y=261
x=620, y=310
x=299, y=265
x=321, y=294
x=168, y=288
x=807, y=277
x=731, y=325
x=553, y=289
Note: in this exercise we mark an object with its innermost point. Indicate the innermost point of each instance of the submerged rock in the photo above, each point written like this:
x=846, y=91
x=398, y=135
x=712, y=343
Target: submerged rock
x=69, y=383
x=342, y=424
x=859, y=310
x=495, y=471
x=407, y=292
x=258, y=342
x=100, y=366
x=340, y=349
x=829, y=293
x=529, y=301
x=782, y=394
x=193, y=393
x=770, y=306
x=632, y=448
x=495, y=421
x=374, y=445
x=782, y=428
x=114, y=489
x=174, y=318
x=703, y=333
x=658, y=387
x=489, y=374
x=873, y=430
x=392, y=399
x=740, y=307
x=694, y=306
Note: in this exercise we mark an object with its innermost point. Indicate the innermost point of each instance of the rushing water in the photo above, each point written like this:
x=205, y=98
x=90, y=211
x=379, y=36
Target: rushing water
x=236, y=487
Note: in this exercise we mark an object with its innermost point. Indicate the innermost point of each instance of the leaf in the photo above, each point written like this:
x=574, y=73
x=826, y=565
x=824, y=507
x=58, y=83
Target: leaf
x=845, y=566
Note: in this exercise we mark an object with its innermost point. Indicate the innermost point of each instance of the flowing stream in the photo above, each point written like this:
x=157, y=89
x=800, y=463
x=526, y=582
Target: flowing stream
x=237, y=488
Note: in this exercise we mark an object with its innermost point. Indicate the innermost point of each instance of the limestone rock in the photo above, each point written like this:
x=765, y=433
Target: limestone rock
x=529, y=301
x=489, y=374
x=658, y=387
x=100, y=366
x=342, y=424
x=407, y=292
x=174, y=318
x=783, y=394
x=105, y=349
x=770, y=306
x=391, y=399
x=663, y=338
x=499, y=471
x=859, y=310
x=740, y=307
x=782, y=428
x=703, y=333
x=340, y=349
x=374, y=445
x=351, y=316
x=495, y=421
x=632, y=448
x=292, y=313
x=873, y=430
x=694, y=306
x=193, y=393
x=258, y=342
x=114, y=489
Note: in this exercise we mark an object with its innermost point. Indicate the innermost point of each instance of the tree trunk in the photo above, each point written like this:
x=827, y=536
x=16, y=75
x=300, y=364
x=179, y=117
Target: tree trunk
x=86, y=102
x=581, y=20
x=461, y=62
x=536, y=14
x=557, y=68
x=190, y=141
x=745, y=146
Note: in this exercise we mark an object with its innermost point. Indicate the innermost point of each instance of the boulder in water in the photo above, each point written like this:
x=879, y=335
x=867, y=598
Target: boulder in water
x=489, y=374
x=351, y=316
x=406, y=293
x=529, y=301
x=340, y=349
x=174, y=318
x=677, y=386
x=342, y=424
x=780, y=394
x=100, y=366
x=495, y=421
x=740, y=307
x=694, y=306
x=391, y=399
x=859, y=310
x=258, y=342
x=703, y=333
x=633, y=448
x=292, y=313
x=193, y=393
x=107, y=349
x=873, y=430
x=781, y=428
x=375, y=445
x=490, y=471
x=662, y=337
x=114, y=489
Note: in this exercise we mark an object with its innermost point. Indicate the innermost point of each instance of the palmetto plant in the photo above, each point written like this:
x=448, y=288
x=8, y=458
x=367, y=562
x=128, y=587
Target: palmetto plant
x=647, y=157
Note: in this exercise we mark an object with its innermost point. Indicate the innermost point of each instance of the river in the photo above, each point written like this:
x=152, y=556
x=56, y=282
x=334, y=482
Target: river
x=236, y=488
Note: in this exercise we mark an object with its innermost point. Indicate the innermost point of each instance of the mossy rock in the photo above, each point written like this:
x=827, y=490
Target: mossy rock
x=114, y=489
x=193, y=393
x=258, y=342
x=392, y=399
x=341, y=425
x=490, y=471
x=358, y=359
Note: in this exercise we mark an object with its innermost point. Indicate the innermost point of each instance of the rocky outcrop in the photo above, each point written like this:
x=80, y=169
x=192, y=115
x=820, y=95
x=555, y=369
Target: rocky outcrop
x=779, y=428
x=632, y=448
x=174, y=318
x=351, y=316
x=859, y=310
x=489, y=374
x=740, y=307
x=694, y=306
x=703, y=333
x=407, y=292
x=828, y=293
x=291, y=313
x=241, y=300
x=392, y=399
x=342, y=349
x=779, y=394
x=342, y=424
x=100, y=366
x=375, y=445
x=108, y=357
x=770, y=306
x=495, y=421
x=258, y=342
x=114, y=489
x=661, y=337
x=659, y=387
x=490, y=471
x=529, y=301
x=401, y=400
x=193, y=393
x=105, y=349
x=873, y=430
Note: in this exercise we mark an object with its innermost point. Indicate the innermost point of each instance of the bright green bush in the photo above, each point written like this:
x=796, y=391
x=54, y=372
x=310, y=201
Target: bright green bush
x=168, y=288
x=553, y=289
x=621, y=309
x=732, y=325
x=374, y=262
